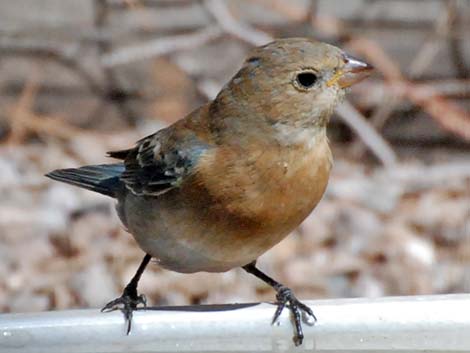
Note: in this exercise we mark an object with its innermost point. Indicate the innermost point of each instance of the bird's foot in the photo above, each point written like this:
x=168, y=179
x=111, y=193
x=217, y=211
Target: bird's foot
x=127, y=303
x=285, y=297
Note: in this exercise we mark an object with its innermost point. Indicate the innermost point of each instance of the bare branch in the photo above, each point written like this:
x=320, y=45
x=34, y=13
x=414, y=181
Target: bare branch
x=65, y=55
x=449, y=115
x=455, y=45
x=220, y=12
x=160, y=46
x=125, y=4
x=115, y=92
x=367, y=133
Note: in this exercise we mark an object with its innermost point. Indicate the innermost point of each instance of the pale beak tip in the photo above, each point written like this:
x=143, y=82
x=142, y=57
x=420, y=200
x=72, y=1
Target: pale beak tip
x=355, y=65
x=353, y=71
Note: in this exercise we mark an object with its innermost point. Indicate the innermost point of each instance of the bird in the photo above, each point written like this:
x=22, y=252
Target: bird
x=220, y=187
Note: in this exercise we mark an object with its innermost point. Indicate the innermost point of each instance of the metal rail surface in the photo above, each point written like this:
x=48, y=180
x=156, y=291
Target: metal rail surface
x=394, y=324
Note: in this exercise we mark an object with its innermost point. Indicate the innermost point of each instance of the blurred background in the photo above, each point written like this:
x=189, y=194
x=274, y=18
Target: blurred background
x=79, y=78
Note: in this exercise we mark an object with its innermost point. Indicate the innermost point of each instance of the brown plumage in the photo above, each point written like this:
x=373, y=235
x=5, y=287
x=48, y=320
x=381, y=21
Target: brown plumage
x=220, y=187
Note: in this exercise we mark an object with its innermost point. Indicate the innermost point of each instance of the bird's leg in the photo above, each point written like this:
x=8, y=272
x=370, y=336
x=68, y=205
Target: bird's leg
x=284, y=297
x=129, y=298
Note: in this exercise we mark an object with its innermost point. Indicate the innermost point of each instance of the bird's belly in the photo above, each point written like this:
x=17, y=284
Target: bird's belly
x=187, y=240
x=190, y=230
x=174, y=238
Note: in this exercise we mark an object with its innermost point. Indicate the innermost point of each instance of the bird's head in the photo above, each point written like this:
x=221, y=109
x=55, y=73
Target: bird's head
x=291, y=85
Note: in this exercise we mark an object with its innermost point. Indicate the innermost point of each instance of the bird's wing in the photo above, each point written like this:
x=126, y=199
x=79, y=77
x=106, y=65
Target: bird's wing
x=159, y=162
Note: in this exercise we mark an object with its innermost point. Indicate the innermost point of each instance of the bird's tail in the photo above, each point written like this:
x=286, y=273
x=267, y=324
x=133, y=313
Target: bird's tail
x=103, y=178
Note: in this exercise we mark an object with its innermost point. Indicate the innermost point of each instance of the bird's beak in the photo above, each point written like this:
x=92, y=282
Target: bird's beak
x=352, y=72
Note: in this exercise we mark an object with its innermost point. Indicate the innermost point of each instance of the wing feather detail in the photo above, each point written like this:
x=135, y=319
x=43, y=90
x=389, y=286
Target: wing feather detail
x=159, y=162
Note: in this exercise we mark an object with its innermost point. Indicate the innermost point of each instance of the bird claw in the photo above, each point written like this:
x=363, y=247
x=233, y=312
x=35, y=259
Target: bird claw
x=127, y=303
x=285, y=297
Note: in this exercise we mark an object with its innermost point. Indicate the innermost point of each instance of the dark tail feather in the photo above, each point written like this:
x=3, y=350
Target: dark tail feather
x=102, y=178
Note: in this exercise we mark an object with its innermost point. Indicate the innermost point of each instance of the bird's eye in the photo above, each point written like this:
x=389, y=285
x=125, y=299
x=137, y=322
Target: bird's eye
x=306, y=79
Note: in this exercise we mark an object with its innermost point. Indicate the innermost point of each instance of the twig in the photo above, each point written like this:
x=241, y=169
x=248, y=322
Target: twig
x=420, y=63
x=454, y=43
x=450, y=116
x=367, y=133
x=220, y=12
x=115, y=92
x=160, y=46
x=64, y=55
x=432, y=89
x=18, y=115
x=449, y=88
x=52, y=126
x=23, y=120
x=124, y=4
x=429, y=176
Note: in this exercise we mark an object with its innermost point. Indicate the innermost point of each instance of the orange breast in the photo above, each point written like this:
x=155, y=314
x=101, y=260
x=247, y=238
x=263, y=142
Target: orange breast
x=269, y=190
x=233, y=209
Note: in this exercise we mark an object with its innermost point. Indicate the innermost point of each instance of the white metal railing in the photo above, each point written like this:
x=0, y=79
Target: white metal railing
x=394, y=324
